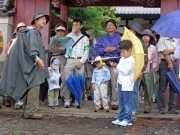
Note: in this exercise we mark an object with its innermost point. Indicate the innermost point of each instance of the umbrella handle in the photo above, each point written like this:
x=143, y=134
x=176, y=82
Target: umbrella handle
x=103, y=63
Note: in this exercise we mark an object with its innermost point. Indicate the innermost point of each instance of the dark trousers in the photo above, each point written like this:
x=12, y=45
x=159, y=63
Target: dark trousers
x=163, y=69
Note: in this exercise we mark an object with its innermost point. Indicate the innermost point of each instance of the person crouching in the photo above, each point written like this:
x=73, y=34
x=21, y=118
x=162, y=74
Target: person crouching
x=101, y=76
x=53, y=82
x=126, y=71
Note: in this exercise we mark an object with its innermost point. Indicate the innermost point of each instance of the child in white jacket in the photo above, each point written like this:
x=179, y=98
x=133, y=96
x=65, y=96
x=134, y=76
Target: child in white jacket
x=53, y=82
x=126, y=71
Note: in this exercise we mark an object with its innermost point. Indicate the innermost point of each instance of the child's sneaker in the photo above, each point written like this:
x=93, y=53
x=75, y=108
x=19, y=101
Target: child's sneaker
x=107, y=110
x=116, y=122
x=125, y=123
x=95, y=110
x=57, y=106
x=52, y=107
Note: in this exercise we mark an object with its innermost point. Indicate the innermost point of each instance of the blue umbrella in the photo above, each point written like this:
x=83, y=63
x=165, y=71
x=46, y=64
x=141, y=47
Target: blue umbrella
x=168, y=25
x=171, y=76
x=80, y=81
x=76, y=84
x=70, y=84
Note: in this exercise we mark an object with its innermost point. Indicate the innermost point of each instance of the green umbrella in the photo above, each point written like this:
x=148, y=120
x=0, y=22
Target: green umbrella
x=150, y=81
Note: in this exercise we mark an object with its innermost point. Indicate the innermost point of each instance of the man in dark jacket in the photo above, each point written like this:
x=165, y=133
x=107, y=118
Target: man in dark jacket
x=136, y=29
x=26, y=68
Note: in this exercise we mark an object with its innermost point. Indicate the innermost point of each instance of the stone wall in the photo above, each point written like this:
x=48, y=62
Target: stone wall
x=6, y=27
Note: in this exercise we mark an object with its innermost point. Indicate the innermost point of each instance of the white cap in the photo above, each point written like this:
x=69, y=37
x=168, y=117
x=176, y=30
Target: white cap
x=60, y=28
x=21, y=24
x=97, y=59
x=55, y=64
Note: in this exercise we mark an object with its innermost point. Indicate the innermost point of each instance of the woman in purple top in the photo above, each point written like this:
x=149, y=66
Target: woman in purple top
x=107, y=46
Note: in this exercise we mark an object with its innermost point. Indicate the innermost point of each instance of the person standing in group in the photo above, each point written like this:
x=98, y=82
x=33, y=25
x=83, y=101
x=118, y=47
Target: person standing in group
x=58, y=53
x=100, y=78
x=153, y=62
x=89, y=68
x=76, y=57
x=53, y=83
x=27, y=62
x=107, y=46
x=166, y=47
x=20, y=26
x=136, y=29
x=126, y=71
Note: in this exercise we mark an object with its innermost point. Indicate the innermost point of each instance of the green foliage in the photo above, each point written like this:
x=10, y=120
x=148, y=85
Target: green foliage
x=94, y=18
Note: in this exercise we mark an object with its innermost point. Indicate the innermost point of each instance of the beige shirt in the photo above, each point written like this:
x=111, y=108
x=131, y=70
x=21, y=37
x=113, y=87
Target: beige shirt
x=166, y=43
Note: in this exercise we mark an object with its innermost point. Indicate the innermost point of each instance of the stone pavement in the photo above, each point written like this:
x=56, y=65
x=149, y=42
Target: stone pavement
x=84, y=121
x=88, y=111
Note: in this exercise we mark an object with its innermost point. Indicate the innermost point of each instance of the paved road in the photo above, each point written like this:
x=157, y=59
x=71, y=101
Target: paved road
x=13, y=124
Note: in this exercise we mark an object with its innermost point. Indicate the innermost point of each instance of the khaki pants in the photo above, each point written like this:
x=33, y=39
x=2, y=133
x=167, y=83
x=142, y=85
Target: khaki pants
x=62, y=60
x=70, y=69
x=100, y=94
x=31, y=105
x=53, y=97
x=113, y=87
x=147, y=104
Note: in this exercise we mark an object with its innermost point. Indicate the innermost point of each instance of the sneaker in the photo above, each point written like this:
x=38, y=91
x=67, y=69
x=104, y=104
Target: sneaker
x=146, y=111
x=161, y=111
x=173, y=111
x=125, y=123
x=107, y=111
x=66, y=104
x=116, y=122
x=52, y=107
x=133, y=113
x=95, y=110
x=57, y=106
x=78, y=106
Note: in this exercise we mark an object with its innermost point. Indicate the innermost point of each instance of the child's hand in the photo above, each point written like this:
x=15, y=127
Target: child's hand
x=113, y=64
x=93, y=86
x=51, y=69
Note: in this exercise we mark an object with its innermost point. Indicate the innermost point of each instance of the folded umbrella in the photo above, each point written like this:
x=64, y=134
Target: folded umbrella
x=76, y=85
x=64, y=42
x=173, y=80
x=150, y=81
x=168, y=25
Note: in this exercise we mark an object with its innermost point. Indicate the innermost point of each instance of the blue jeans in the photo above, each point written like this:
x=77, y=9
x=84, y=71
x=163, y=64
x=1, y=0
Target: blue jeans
x=125, y=105
x=135, y=97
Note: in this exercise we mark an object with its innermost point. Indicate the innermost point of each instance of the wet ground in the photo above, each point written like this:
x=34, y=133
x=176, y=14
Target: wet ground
x=57, y=125
x=13, y=124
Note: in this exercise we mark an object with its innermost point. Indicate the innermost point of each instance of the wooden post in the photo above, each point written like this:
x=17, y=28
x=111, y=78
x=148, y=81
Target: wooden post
x=64, y=14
